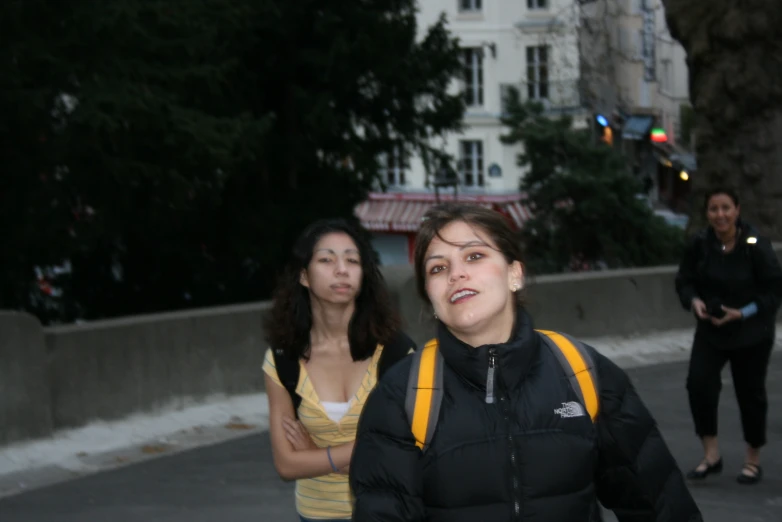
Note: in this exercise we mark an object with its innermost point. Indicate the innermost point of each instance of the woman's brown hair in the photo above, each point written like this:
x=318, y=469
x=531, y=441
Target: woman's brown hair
x=485, y=220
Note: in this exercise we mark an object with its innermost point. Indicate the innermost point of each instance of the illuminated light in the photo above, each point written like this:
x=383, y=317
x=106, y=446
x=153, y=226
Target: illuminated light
x=659, y=136
x=683, y=174
x=608, y=136
x=752, y=240
x=602, y=120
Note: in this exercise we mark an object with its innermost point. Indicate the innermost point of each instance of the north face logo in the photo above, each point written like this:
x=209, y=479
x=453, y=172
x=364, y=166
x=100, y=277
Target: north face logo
x=570, y=409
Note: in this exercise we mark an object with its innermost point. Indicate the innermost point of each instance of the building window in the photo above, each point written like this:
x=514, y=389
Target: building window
x=537, y=72
x=666, y=80
x=472, y=62
x=393, y=167
x=537, y=4
x=471, y=163
x=470, y=5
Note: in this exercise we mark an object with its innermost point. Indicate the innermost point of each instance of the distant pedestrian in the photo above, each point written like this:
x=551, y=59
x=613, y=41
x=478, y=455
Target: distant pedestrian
x=495, y=421
x=333, y=332
x=731, y=279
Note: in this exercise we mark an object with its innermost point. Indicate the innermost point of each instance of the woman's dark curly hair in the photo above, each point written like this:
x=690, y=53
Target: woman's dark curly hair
x=289, y=321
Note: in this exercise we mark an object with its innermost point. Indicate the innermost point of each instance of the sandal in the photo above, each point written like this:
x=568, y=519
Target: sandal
x=754, y=475
x=710, y=469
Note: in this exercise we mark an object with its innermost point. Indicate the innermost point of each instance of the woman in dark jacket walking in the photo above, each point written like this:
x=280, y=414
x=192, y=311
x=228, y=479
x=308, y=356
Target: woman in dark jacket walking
x=731, y=279
x=516, y=437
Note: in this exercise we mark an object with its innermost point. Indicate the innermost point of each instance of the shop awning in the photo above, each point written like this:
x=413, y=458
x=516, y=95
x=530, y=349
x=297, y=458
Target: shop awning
x=686, y=160
x=403, y=212
x=637, y=127
x=677, y=156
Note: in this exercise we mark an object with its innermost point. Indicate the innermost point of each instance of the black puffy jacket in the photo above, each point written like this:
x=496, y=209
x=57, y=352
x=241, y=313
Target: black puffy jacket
x=749, y=273
x=517, y=459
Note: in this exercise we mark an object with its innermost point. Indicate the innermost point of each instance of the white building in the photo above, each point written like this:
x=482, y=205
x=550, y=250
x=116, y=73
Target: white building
x=636, y=77
x=528, y=44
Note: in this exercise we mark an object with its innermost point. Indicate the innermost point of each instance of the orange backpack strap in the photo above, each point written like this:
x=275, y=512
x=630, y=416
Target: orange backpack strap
x=578, y=366
x=425, y=382
x=425, y=393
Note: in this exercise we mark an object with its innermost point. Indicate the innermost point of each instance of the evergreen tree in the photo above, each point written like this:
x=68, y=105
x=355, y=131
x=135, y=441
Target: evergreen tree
x=588, y=210
x=173, y=150
x=34, y=215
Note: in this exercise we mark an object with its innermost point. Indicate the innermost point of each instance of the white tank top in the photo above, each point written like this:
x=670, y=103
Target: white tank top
x=335, y=410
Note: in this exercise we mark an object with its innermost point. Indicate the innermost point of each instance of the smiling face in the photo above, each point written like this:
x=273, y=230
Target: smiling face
x=334, y=273
x=722, y=213
x=470, y=284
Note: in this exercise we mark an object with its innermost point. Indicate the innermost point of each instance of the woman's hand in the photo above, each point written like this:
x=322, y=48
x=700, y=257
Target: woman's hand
x=731, y=314
x=348, y=449
x=297, y=435
x=699, y=307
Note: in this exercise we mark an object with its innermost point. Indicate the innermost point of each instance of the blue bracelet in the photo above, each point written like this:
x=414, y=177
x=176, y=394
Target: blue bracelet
x=328, y=454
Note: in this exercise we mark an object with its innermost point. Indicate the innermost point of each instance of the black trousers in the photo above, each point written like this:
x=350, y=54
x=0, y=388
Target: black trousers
x=748, y=367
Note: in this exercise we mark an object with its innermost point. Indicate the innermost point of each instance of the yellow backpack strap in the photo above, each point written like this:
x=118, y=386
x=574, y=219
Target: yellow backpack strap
x=425, y=393
x=579, y=367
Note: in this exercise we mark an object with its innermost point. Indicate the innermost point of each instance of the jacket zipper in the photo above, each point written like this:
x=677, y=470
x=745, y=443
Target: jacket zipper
x=506, y=412
x=490, y=376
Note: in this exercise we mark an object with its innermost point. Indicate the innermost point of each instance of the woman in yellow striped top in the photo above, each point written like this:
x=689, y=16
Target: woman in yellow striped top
x=332, y=316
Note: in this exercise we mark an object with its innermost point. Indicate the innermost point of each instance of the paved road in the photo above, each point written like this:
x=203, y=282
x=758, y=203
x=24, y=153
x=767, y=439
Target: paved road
x=235, y=481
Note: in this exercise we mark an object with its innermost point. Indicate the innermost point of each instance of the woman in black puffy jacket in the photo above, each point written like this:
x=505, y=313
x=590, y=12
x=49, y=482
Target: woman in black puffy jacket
x=515, y=437
x=731, y=279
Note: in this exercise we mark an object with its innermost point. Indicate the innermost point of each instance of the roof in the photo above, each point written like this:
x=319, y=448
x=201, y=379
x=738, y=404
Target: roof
x=403, y=212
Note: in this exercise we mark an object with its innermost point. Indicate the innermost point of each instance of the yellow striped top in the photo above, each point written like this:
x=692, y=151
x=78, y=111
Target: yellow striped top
x=327, y=496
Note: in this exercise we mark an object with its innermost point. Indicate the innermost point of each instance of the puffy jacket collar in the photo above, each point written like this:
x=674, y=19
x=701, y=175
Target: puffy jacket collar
x=745, y=230
x=514, y=357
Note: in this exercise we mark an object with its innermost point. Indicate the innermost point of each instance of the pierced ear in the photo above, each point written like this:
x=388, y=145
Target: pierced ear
x=516, y=274
x=303, y=279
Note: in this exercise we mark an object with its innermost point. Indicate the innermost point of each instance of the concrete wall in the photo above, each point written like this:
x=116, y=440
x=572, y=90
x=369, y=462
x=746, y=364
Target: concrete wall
x=67, y=376
x=25, y=408
x=615, y=302
x=109, y=369
x=629, y=302
x=621, y=302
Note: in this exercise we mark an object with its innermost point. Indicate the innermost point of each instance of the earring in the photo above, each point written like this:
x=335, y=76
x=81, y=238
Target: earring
x=434, y=314
x=516, y=287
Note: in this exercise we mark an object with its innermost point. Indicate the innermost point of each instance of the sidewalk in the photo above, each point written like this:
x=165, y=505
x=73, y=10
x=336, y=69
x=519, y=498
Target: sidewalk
x=720, y=498
x=106, y=446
